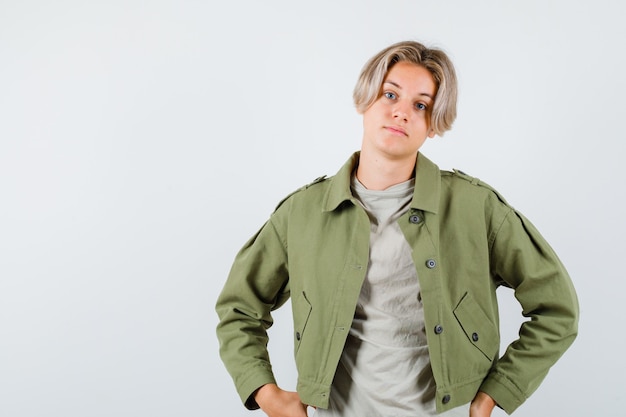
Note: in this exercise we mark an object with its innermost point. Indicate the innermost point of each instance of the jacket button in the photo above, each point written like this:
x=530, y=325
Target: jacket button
x=415, y=219
x=431, y=263
x=475, y=337
x=445, y=399
x=438, y=329
x=298, y=336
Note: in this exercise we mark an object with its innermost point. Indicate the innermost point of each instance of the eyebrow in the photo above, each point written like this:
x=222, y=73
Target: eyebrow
x=395, y=84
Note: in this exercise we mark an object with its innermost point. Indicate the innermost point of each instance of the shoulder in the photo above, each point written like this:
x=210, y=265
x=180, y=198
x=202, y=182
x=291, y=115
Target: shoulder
x=458, y=182
x=308, y=190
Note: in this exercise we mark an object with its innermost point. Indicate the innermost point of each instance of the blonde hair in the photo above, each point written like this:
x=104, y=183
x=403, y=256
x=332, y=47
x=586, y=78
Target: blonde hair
x=369, y=84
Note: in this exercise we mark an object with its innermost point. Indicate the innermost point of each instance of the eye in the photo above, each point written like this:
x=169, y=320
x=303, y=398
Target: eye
x=389, y=95
x=420, y=106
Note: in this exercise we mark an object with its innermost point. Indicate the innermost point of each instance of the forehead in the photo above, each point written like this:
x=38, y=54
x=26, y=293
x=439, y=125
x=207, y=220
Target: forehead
x=410, y=76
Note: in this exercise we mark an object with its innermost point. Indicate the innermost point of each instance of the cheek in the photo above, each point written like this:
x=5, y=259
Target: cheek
x=424, y=118
x=369, y=118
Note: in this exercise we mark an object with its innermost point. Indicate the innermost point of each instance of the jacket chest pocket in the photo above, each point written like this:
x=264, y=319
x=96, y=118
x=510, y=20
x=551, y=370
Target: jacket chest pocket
x=478, y=327
x=301, y=314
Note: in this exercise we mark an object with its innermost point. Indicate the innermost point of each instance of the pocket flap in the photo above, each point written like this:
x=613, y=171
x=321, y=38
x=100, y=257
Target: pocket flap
x=478, y=328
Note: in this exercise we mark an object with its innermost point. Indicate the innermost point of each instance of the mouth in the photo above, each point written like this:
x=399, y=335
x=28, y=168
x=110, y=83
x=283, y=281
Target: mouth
x=396, y=130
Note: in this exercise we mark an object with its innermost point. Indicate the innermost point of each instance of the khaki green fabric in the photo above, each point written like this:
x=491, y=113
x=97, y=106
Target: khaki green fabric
x=466, y=242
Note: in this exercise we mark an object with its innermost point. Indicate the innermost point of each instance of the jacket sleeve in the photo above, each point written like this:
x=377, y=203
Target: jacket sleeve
x=523, y=260
x=257, y=284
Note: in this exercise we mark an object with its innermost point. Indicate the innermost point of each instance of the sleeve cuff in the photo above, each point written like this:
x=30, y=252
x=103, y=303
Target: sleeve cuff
x=249, y=384
x=503, y=391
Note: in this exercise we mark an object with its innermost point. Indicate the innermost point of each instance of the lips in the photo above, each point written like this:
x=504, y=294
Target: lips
x=397, y=130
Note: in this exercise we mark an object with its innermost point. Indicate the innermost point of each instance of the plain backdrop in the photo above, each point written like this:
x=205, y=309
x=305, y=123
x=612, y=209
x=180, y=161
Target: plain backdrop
x=143, y=142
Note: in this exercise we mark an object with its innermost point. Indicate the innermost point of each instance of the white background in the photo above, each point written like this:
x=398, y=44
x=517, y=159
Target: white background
x=142, y=142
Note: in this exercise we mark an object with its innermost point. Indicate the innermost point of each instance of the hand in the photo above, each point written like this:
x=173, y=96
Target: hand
x=276, y=402
x=482, y=405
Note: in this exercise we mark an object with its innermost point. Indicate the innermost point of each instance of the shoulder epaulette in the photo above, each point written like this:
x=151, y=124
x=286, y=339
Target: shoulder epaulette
x=315, y=181
x=461, y=174
x=476, y=181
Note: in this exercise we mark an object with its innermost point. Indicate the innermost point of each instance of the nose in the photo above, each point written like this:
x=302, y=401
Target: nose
x=400, y=112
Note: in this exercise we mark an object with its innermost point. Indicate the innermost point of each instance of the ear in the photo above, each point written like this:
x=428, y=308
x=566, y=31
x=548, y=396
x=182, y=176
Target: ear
x=431, y=133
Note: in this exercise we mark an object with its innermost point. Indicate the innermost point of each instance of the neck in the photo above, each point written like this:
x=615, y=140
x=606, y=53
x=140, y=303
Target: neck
x=377, y=173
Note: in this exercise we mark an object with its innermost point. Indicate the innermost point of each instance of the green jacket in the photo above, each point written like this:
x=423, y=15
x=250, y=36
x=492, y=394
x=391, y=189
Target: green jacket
x=466, y=242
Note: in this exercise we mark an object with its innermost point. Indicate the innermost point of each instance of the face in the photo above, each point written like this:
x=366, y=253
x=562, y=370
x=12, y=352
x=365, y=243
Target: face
x=398, y=122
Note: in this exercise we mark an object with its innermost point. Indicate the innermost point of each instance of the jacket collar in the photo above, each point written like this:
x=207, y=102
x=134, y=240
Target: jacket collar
x=425, y=195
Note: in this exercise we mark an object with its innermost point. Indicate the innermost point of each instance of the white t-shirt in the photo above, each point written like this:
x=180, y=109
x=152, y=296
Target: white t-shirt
x=384, y=369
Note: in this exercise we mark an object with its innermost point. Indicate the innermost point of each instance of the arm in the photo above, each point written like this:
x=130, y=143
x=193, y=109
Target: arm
x=482, y=405
x=256, y=285
x=278, y=403
x=523, y=260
